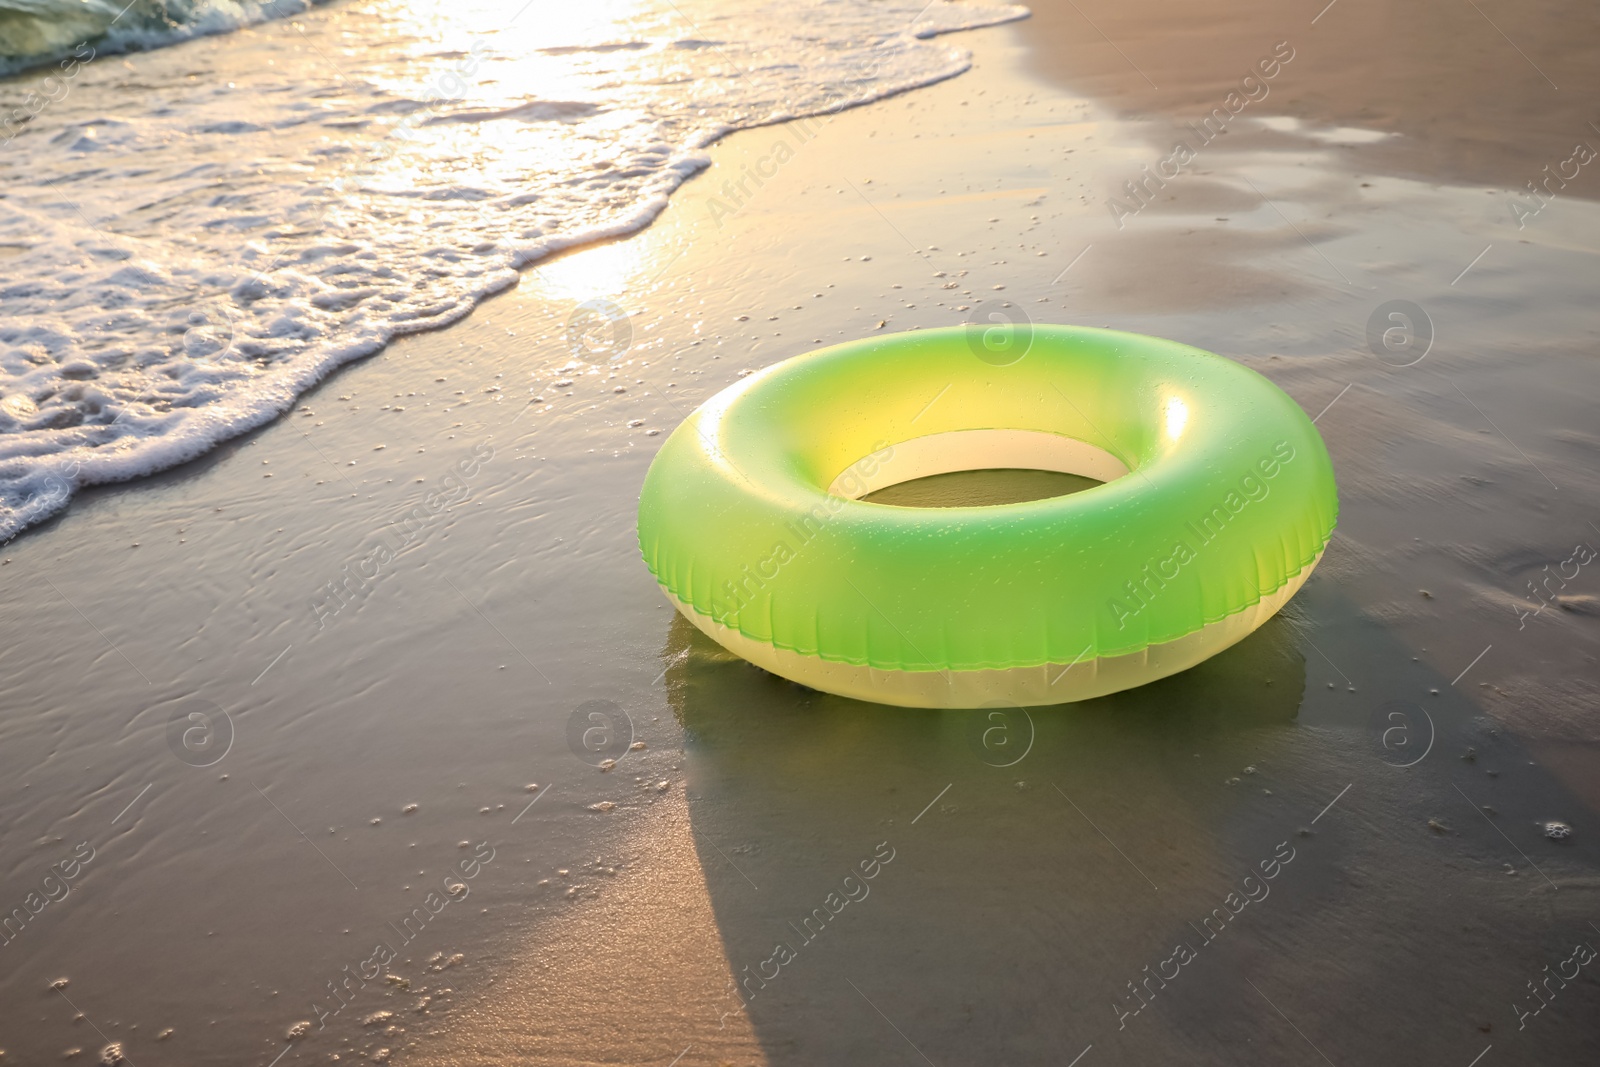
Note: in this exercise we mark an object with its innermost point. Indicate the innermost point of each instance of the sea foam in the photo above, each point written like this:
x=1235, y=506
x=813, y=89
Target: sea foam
x=190, y=241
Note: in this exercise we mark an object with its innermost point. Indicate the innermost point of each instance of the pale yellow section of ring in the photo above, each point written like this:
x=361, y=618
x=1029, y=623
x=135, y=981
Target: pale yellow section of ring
x=1048, y=683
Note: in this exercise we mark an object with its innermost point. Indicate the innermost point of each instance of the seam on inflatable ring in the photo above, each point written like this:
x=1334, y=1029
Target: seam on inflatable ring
x=1100, y=654
x=1261, y=594
x=1030, y=686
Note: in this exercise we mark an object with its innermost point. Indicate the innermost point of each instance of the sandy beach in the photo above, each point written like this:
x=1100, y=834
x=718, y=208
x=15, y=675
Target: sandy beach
x=359, y=752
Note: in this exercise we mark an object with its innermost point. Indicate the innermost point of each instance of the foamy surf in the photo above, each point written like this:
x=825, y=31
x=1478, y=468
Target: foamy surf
x=190, y=243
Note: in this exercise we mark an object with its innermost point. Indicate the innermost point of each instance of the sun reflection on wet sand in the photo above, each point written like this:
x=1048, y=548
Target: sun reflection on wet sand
x=609, y=269
x=636, y=975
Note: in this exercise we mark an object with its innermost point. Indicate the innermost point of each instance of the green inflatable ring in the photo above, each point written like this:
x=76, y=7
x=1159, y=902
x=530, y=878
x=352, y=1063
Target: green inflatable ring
x=1218, y=501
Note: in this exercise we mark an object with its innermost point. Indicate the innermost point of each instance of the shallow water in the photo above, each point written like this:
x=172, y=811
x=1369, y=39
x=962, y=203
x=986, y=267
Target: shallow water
x=195, y=236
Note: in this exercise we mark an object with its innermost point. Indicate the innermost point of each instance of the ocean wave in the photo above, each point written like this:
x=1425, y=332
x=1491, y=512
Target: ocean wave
x=36, y=32
x=189, y=243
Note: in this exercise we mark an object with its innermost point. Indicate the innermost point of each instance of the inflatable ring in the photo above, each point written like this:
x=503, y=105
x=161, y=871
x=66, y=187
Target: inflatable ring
x=1218, y=500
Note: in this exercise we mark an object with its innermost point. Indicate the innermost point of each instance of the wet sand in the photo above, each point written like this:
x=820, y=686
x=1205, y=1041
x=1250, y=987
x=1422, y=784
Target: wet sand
x=1474, y=92
x=1023, y=898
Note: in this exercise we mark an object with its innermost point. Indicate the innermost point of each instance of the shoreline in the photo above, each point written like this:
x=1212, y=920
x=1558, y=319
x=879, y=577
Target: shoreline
x=237, y=367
